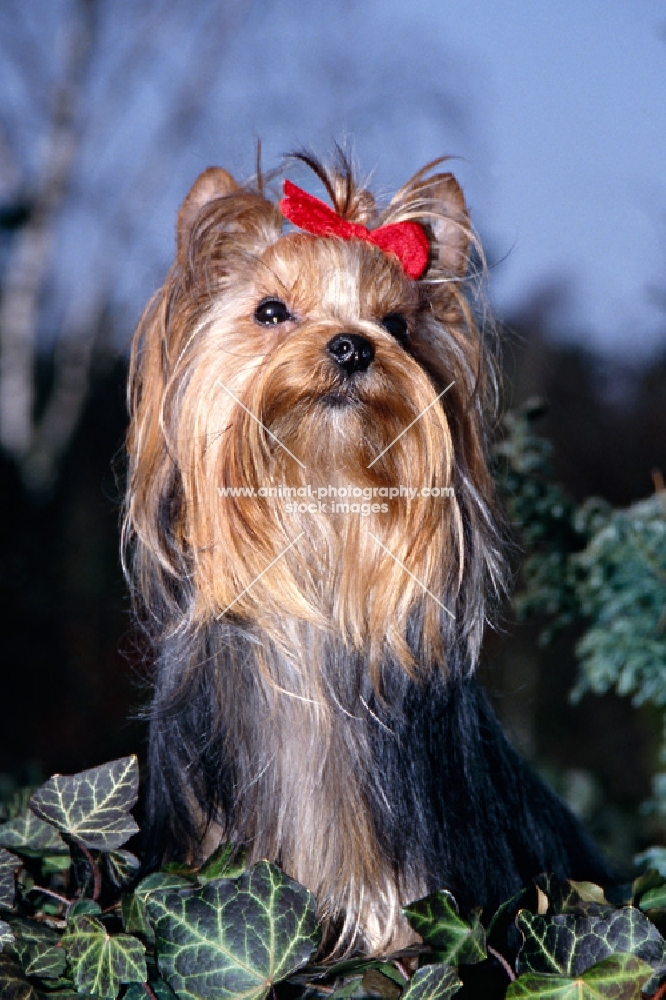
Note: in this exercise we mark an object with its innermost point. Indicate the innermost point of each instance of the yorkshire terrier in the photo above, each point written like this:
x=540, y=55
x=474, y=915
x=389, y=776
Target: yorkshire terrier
x=314, y=544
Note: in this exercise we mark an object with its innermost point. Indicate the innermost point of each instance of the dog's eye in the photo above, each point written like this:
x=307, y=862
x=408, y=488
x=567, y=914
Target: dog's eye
x=396, y=324
x=271, y=312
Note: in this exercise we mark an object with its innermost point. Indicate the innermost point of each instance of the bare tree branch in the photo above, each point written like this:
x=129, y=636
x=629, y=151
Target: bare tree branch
x=29, y=263
x=11, y=177
x=73, y=356
x=151, y=175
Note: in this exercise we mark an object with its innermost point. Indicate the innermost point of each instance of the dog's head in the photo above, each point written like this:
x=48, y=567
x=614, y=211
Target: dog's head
x=306, y=435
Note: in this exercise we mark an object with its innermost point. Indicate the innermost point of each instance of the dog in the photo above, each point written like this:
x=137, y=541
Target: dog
x=314, y=544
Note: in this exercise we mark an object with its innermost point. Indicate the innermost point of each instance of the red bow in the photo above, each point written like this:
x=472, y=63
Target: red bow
x=406, y=240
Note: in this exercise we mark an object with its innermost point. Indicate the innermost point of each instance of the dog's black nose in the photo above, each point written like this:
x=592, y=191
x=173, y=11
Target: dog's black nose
x=351, y=352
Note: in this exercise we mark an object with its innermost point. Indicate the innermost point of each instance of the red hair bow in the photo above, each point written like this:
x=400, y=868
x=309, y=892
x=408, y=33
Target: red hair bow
x=406, y=240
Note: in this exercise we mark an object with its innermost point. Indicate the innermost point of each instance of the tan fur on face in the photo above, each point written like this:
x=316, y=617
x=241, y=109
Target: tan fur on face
x=226, y=370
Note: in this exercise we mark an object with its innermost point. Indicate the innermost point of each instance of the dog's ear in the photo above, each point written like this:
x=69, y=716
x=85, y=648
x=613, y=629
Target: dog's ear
x=438, y=204
x=211, y=184
x=449, y=225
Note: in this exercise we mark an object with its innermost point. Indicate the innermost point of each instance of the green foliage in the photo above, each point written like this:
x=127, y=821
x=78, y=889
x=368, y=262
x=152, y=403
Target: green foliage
x=38, y=949
x=26, y=829
x=432, y=982
x=453, y=941
x=567, y=944
x=231, y=931
x=92, y=807
x=617, y=977
x=9, y=865
x=233, y=937
x=601, y=566
x=620, y=582
x=101, y=961
x=543, y=516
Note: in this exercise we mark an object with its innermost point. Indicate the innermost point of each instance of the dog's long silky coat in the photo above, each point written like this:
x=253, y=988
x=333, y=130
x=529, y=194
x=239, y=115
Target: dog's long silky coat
x=315, y=693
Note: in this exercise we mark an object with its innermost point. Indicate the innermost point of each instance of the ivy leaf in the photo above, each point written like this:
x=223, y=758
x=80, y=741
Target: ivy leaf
x=433, y=982
x=120, y=867
x=375, y=984
x=163, y=882
x=133, y=905
x=568, y=896
x=180, y=868
x=9, y=865
x=84, y=907
x=55, y=864
x=228, y=861
x=13, y=984
x=348, y=989
x=6, y=936
x=649, y=891
x=354, y=968
x=567, y=944
x=65, y=991
x=454, y=940
x=134, y=916
x=38, y=949
x=159, y=988
x=654, y=899
x=92, y=806
x=101, y=962
x=651, y=879
x=388, y=970
x=618, y=977
x=31, y=836
x=233, y=938
x=333, y=973
x=84, y=870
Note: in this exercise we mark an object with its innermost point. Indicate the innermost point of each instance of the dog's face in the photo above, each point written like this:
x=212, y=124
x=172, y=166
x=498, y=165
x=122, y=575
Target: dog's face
x=277, y=361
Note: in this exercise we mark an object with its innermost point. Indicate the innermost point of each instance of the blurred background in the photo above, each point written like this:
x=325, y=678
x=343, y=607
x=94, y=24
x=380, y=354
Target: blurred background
x=554, y=117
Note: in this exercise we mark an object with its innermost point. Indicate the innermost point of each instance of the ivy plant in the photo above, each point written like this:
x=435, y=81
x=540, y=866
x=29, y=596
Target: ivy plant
x=79, y=919
x=600, y=566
